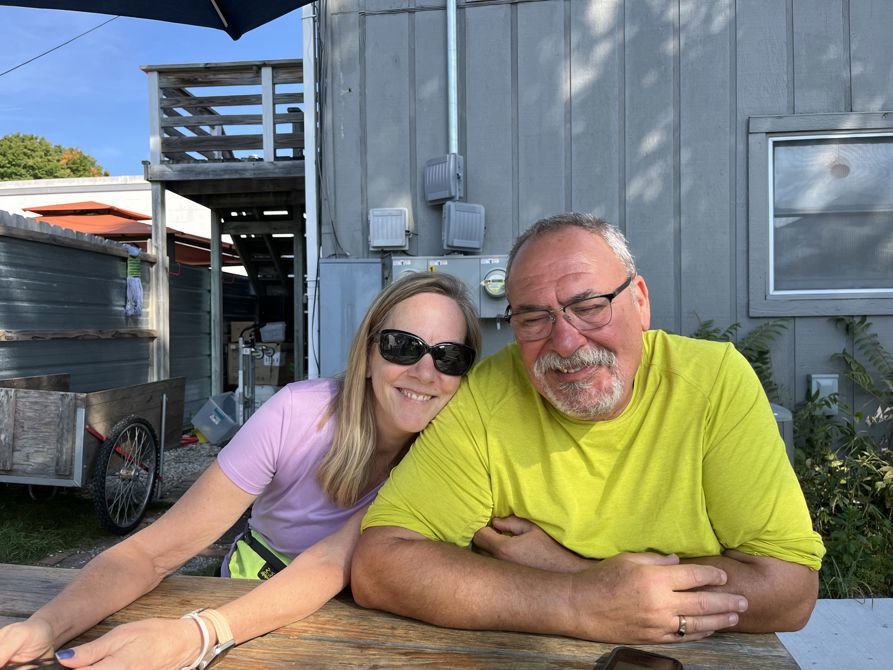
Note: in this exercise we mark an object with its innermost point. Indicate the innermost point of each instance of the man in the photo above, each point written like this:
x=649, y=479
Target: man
x=653, y=459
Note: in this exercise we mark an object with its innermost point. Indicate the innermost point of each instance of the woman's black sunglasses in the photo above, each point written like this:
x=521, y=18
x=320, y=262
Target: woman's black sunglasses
x=402, y=348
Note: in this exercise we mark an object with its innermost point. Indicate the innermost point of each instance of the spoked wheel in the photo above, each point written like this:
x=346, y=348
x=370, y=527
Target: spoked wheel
x=125, y=473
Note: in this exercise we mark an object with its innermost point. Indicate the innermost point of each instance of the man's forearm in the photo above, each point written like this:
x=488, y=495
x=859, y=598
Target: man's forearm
x=448, y=586
x=630, y=598
x=782, y=595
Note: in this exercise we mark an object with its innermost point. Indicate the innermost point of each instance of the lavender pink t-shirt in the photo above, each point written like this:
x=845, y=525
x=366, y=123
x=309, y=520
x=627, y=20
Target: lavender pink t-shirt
x=275, y=456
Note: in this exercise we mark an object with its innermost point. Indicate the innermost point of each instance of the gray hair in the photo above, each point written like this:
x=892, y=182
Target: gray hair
x=609, y=233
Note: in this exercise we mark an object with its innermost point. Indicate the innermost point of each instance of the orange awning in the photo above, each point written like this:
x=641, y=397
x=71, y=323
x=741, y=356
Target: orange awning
x=121, y=225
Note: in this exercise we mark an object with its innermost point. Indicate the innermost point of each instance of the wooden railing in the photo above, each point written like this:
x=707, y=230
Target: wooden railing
x=224, y=112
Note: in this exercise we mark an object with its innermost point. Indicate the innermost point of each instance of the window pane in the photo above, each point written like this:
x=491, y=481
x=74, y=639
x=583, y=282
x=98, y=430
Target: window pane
x=833, y=214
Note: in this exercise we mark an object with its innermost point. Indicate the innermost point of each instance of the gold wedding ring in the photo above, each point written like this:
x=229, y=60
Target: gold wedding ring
x=682, y=626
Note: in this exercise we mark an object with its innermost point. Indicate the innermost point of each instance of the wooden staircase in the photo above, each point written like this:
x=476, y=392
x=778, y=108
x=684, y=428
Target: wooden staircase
x=265, y=240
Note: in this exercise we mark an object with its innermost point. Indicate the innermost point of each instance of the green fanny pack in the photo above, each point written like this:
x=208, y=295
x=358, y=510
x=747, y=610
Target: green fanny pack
x=254, y=558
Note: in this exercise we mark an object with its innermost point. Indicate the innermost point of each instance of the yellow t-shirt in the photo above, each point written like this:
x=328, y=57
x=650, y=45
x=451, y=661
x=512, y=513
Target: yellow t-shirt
x=694, y=464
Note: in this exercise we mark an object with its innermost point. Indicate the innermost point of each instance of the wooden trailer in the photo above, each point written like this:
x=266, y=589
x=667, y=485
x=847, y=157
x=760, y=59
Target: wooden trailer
x=106, y=439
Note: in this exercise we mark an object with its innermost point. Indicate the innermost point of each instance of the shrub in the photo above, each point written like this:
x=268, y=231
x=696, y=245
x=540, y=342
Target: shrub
x=845, y=467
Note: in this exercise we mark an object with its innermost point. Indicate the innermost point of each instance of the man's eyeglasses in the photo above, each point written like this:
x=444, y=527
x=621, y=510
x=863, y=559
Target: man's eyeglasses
x=587, y=313
x=402, y=348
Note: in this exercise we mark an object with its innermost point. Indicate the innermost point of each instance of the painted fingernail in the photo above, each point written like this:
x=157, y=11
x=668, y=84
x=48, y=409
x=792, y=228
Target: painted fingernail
x=62, y=654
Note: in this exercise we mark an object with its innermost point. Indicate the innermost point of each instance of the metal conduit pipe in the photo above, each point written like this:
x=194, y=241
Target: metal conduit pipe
x=311, y=224
x=452, y=79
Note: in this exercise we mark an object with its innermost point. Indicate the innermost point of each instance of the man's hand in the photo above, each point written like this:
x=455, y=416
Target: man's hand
x=639, y=598
x=521, y=541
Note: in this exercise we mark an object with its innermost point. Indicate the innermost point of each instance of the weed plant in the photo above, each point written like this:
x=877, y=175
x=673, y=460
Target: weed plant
x=845, y=466
x=755, y=346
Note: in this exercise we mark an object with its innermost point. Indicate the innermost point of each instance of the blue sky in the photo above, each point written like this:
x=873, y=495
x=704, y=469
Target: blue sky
x=91, y=93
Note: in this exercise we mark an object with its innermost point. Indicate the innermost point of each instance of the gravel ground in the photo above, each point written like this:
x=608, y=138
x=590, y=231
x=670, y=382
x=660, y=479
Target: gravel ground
x=182, y=466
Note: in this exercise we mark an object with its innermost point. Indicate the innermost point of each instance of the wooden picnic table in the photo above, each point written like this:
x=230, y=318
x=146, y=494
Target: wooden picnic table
x=341, y=634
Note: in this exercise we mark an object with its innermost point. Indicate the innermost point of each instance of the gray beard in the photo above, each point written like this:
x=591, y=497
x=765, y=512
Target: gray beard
x=569, y=397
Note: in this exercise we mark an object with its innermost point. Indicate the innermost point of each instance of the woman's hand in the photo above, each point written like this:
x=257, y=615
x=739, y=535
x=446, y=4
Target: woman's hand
x=151, y=644
x=521, y=541
x=25, y=641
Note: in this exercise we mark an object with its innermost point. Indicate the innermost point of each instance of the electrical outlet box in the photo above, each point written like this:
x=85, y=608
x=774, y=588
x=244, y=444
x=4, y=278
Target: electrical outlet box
x=389, y=228
x=463, y=226
x=826, y=385
x=444, y=178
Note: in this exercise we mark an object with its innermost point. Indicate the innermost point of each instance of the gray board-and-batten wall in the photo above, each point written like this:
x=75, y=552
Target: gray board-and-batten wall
x=637, y=110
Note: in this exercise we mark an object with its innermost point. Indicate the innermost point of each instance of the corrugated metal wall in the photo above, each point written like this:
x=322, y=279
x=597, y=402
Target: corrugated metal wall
x=190, y=306
x=190, y=330
x=46, y=286
x=635, y=110
x=50, y=281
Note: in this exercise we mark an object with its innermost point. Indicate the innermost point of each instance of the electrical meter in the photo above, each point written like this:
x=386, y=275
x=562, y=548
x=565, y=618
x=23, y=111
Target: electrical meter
x=494, y=283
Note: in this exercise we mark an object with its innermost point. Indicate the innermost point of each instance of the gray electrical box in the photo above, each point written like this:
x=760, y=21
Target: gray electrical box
x=483, y=276
x=405, y=265
x=463, y=226
x=347, y=286
x=825, y=385
x=389, y=228
x=444, y=178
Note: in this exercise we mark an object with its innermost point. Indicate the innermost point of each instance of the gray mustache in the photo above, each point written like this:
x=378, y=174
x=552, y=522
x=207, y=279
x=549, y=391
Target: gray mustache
x=589, y=356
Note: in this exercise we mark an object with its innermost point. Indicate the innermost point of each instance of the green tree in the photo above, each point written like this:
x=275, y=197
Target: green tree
x=25, y=156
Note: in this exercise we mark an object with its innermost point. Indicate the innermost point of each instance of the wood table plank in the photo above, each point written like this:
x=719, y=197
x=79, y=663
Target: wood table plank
x=341, y=634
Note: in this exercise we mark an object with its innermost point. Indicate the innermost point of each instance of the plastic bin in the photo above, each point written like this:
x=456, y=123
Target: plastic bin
x=273, y=332
x=216, y=420
x=263, y=392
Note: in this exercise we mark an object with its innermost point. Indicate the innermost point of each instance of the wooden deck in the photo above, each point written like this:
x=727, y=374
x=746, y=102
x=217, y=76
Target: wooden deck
x=215, y=112
x=228, y=135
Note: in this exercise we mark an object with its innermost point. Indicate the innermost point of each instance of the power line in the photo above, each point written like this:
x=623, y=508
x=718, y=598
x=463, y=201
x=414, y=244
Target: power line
x=31, y=60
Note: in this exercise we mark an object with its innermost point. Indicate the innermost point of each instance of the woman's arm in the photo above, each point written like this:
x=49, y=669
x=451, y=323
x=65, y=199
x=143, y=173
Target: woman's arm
x=313, y=578
x=309, y=582
x=123, y=573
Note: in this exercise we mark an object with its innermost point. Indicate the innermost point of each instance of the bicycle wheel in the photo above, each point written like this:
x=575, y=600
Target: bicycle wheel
x=124, y=475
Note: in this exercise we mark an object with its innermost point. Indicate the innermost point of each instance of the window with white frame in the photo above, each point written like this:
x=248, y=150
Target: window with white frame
x=821, y=224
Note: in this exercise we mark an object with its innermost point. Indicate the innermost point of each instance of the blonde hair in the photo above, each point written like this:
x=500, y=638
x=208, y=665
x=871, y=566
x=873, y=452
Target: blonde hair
x=345, y=470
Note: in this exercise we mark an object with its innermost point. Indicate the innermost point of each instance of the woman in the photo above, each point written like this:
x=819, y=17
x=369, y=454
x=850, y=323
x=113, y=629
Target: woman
x=309, y=461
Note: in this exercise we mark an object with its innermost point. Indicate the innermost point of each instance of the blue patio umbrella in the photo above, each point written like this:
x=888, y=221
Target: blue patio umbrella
x=236, y=17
